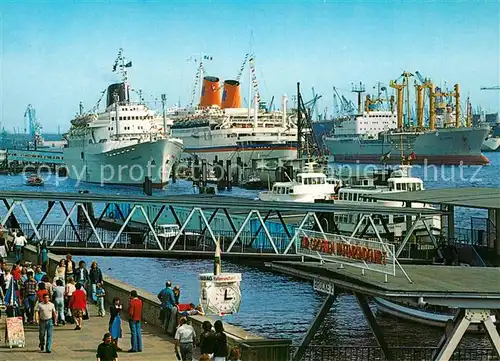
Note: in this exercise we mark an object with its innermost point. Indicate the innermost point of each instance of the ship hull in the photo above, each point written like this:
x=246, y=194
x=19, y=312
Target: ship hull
x=123, y=163
x=248, y=153
x=450, y=146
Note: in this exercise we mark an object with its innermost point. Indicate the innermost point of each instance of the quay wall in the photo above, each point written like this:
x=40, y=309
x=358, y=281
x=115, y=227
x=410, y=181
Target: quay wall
x=254, y=347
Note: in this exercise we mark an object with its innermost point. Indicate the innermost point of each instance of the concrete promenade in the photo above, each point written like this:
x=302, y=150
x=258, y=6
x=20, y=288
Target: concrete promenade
x=69, y=344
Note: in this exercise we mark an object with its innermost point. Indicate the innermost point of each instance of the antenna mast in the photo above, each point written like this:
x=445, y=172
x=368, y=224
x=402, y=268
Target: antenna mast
x=120, y=67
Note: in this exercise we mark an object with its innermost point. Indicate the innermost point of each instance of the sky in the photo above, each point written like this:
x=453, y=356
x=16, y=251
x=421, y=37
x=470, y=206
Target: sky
x=55, y=54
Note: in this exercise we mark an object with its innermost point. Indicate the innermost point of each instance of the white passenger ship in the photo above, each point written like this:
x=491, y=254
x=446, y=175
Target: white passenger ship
x=124, y=144
x=360, y=186
x=220, y=128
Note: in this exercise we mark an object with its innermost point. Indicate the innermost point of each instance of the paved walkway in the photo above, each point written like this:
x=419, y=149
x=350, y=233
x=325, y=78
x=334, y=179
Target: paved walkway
x=69, y=344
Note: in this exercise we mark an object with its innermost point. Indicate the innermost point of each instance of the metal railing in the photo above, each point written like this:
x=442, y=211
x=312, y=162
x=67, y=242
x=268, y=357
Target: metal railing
x=374, y=353
x=82, y=235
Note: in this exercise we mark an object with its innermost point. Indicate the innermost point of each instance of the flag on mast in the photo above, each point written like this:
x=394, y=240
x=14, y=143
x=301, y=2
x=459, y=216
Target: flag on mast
x=217, y=261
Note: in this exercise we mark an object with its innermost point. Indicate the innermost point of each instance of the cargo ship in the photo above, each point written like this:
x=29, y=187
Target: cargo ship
x=374, y=136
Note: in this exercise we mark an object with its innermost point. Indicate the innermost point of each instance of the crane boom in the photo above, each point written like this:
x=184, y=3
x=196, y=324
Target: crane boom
x=496, y=87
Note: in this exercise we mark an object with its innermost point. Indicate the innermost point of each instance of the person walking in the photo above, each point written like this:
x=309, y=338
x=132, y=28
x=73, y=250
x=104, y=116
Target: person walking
x=220, y=347
x=29, y=296
x=68, y=292
x=100, y=294
x=3, y=247
x=58, y=298
x=82, y=275
x=45, y=314
x=44, y=255
x=106, y=351
x=78, y=304
x=167, y=299
x=185, y=340
x=60, y=271
x=19, y=243
x=134, y=321
x=207, y=339
x=95, y=277
x=70, y=268
x=115, y=321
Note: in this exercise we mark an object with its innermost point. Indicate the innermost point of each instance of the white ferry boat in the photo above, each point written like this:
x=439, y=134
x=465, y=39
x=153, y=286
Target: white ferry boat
x=360, y=186
x=307, y=187
x=123, y=144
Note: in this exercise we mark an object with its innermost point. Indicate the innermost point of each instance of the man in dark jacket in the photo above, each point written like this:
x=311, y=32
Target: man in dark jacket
x=82, y=274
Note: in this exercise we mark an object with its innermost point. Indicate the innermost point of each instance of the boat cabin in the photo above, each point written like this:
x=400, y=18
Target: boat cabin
x=311, y=178
x=282, y=188
x=405, y=184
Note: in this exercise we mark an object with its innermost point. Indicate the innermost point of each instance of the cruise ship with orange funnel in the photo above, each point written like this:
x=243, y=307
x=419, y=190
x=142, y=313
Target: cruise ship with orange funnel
x=220, y=128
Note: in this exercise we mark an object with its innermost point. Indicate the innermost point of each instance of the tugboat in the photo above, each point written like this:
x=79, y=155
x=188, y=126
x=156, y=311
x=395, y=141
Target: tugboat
x=252, y=182
x=34, y=181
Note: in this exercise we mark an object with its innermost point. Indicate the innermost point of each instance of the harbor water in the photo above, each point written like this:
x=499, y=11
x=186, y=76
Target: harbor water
x=274, y=305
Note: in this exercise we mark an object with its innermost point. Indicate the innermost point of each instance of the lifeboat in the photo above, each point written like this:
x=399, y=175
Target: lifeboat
x=83, y=119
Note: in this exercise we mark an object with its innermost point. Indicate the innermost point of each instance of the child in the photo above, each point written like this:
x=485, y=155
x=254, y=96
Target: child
x=100, y=293
x=234, y=355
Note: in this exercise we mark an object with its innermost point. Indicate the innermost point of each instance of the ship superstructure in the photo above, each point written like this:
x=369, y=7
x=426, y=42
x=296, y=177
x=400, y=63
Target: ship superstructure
x=123, y=144
x=220, y=128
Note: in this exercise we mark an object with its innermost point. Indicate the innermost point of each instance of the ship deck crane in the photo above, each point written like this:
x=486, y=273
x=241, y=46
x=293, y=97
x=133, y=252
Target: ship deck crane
x=496, y=87
x=307, y=143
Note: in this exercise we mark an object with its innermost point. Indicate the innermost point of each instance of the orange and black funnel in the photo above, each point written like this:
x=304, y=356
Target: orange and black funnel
x=210, y=93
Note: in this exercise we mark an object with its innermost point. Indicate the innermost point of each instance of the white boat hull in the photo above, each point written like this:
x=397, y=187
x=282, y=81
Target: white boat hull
x=123, y=162
x=412, y=314
x=302, y=198
x=491, y=144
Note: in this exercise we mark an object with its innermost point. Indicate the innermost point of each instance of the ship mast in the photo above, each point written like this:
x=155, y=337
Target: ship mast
x=120, y=67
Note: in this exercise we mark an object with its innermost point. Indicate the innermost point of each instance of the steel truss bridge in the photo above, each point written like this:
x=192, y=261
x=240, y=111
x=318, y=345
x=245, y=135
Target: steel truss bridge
x=236, y=214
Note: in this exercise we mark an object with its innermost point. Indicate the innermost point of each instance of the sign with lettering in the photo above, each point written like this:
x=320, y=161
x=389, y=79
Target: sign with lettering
x=324, y=287
x=220, y=294
x=15, y=332
x=362, y=253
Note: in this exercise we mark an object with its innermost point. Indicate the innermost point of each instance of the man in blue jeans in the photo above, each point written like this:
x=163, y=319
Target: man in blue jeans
x=167, y=298
x=29, y=291
x=134, y=321
x=45, y=314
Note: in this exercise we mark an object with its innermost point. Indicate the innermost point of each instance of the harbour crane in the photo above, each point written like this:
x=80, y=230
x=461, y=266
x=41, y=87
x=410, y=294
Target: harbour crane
x=31, y=126
x=336, y=108
x=315, y=105
x=496, y=87
x=29, y=120
x=311, y=105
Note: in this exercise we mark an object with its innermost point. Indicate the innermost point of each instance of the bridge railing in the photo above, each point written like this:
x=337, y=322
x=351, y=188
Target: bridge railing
x=82, y=235
x=374, y=353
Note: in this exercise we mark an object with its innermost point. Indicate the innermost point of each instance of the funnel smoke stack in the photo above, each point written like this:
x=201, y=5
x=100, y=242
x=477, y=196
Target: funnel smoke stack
x=231, y=96
x=210, y=92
